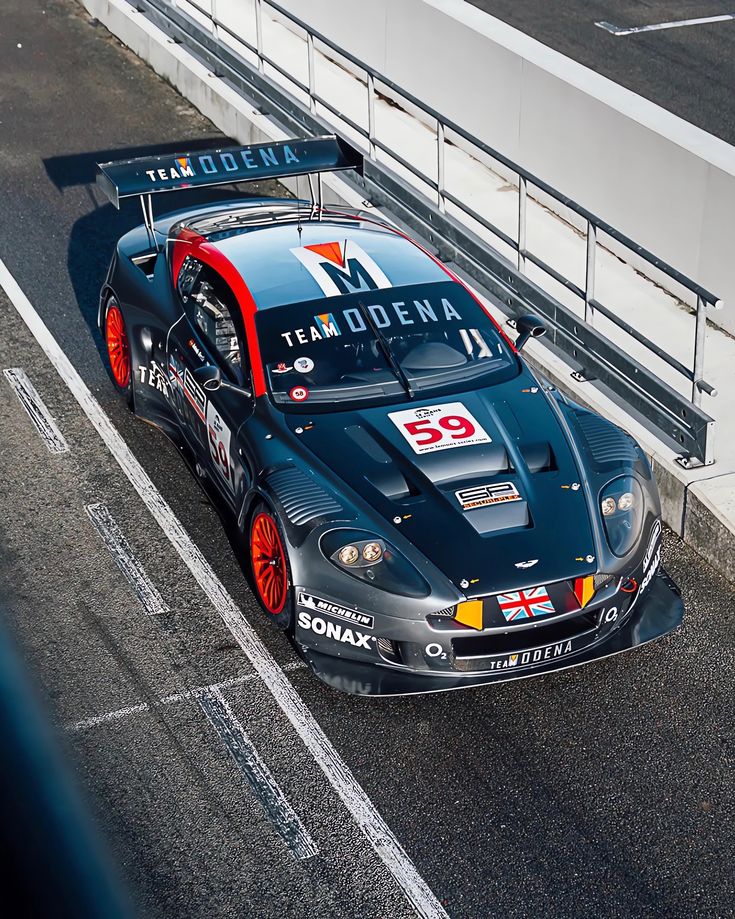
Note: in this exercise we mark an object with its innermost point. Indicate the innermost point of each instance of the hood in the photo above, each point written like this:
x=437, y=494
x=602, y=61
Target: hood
x=484, y=483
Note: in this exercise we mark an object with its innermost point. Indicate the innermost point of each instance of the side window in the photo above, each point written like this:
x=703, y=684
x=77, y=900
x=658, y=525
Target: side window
x=211, y=307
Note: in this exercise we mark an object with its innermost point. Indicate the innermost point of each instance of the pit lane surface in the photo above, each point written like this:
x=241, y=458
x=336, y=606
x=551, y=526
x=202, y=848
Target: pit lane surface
x=604, y=791
x=690, y=71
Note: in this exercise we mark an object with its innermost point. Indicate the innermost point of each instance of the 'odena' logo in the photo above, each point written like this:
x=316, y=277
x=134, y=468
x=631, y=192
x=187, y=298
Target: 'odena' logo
x=341, y=268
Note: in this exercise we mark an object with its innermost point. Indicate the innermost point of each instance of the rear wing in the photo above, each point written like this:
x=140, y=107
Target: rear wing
x=174, y=172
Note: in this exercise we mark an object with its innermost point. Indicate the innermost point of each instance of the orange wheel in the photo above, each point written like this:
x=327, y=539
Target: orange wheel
x=268, y=560
x=118, y=349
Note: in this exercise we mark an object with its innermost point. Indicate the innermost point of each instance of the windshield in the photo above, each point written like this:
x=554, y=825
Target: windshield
x=380, y=345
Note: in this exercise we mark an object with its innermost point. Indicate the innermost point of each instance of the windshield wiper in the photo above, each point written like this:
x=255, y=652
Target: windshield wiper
x=385, y=348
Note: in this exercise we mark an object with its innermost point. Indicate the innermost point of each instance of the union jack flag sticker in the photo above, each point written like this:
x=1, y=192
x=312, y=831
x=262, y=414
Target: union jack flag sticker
x=525, y=604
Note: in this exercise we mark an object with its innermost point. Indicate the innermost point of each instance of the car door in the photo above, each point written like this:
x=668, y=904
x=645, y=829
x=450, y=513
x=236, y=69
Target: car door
x=209, y=334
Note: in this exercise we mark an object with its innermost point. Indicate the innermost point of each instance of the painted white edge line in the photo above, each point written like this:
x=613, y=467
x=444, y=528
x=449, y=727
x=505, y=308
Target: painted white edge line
x=363, y=811
x=266, y=789
x=36, y=409
x=657, y=27
x=120, y=713
x=112, y=536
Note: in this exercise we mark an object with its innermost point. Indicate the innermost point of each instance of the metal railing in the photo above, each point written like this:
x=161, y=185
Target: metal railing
x=676, y=416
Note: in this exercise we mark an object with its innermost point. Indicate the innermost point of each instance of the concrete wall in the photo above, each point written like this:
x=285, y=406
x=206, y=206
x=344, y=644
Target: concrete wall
x=657, y=178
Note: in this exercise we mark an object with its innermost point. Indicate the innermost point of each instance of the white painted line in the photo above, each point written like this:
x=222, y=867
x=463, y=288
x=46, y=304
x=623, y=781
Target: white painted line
x=363, y=811
x=120, y=713
x=37, y=411
x=113, y=538
x=677, y=24
x=282, y=816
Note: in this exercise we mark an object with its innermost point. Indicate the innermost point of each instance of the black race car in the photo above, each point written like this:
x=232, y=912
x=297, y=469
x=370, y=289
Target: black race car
x=421, y=511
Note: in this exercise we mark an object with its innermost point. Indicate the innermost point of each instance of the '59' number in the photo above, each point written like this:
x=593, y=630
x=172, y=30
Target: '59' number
x=439, y=427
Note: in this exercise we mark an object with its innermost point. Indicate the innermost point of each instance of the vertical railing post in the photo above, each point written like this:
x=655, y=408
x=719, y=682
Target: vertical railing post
x=440, y=167
x=700, y=332
x=312, y=84
x=259, y=34
x=371, y=114
x=522, y=198
x=589, y=279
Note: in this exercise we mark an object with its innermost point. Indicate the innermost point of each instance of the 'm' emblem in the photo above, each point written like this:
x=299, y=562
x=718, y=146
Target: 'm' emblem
x=341, y=267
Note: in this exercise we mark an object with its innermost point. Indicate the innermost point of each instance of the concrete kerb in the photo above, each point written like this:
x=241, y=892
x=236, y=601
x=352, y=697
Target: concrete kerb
x=699, y=505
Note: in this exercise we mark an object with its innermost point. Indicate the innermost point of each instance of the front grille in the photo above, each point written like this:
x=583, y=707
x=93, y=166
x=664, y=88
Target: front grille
x=468, y=646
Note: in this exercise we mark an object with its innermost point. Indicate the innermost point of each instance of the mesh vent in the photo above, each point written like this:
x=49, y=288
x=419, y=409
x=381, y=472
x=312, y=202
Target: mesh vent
x=390, y=650
x=300, y=496
x=606, y=443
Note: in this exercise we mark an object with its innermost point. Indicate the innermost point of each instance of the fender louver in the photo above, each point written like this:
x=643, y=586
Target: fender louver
x=606, y=442
x=302, y=499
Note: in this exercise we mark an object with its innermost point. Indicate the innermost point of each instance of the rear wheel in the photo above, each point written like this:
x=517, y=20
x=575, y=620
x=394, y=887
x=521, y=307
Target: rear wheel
x=269, y=564
x=118, y=349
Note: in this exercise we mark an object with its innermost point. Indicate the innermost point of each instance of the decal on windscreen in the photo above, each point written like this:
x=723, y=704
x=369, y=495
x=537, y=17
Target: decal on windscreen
x=387, y=316
x=439, y=427
x=341, y=267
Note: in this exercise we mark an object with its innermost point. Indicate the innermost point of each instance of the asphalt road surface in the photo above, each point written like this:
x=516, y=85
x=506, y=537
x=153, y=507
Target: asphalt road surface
x=689, y=71
x=605, y=791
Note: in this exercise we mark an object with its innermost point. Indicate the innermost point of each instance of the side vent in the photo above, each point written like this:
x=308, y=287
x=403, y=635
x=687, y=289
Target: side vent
x=606, y=442
x=301, y=498
x=146, y=261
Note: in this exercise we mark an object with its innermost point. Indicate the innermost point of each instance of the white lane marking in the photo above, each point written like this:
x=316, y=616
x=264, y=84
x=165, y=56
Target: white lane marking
x=676, y=24
x=37, y=411
x=282, y=816
x=120, y=713
x=112, y=536
x=363, y=811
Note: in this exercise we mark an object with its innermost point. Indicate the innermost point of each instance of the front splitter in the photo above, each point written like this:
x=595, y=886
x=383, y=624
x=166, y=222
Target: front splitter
x=660, y=612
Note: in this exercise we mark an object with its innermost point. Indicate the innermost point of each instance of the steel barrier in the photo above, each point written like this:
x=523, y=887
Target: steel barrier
x=677, y=418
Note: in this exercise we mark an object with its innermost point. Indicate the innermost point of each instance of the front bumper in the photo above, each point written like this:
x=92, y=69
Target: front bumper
x=659, y=611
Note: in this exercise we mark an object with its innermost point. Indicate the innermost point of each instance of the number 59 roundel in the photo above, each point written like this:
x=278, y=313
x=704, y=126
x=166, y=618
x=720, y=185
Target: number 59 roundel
x=439, y=427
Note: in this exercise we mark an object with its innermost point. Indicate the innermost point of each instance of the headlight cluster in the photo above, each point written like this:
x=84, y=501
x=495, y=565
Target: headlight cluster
x=374, y=561
x=365, y=553
x=621, y=505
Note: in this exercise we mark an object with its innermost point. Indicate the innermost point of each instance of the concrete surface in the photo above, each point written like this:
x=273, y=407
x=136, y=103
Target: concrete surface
x=604, y=791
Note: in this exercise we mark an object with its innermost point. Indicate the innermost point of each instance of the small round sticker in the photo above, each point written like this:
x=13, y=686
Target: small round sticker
x=299, y=393
x=303, y=364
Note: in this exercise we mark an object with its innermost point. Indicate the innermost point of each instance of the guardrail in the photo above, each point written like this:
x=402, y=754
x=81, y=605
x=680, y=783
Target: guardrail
x=676, y=417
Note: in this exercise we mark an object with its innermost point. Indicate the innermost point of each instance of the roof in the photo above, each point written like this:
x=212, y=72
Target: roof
x=283, y=263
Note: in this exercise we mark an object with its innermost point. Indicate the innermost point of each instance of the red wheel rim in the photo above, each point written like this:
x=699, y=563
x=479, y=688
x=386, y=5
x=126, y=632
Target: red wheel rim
x=269, y=563
x=117, y=346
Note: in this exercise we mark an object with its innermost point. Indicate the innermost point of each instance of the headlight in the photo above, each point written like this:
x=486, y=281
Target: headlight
x=621, y=505
x=348, y=555
x=373, y=560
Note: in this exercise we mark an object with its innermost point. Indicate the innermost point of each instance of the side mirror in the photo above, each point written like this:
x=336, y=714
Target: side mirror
x=528, y=327
x=210, y=377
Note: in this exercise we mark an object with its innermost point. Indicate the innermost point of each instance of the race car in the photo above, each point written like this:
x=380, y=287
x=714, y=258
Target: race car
x=420, y=510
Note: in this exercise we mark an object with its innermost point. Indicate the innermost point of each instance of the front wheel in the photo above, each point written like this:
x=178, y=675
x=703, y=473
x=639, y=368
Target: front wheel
x=269, y=565
x=118, y=350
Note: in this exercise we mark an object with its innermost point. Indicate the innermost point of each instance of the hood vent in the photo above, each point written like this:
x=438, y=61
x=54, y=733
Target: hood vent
x=606, y=442
x=301, y=498
x=539, y=457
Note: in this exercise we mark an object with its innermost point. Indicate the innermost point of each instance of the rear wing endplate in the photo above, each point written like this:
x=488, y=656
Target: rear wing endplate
x=150, y=175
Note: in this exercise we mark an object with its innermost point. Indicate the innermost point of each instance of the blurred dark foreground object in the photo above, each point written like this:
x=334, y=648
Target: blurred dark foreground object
x=52, y=862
